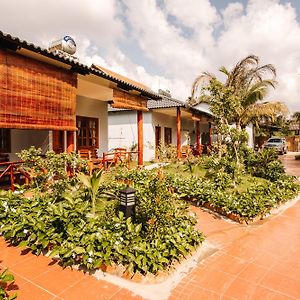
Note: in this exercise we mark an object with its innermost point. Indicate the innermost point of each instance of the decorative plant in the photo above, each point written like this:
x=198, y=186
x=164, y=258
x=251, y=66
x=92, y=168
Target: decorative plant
x=166, y=152
x=5, y=280
x=92, y=183
x=264, y=164
x=161, y=232
x=51, y=168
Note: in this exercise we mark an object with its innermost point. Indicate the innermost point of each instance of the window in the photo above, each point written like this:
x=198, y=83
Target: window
x=5, y=140
x=87, y=134
x=168, y=136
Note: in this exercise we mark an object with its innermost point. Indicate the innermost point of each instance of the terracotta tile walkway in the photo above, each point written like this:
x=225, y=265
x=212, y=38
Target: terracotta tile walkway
x=260, y=261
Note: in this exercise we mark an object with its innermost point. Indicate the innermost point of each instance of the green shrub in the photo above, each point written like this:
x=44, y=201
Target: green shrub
x=50, y=171
x=255, y=201
x=5, y=280
x=265, y=164
x=297, y=157
x=167, y=153
x=161, y=232
x=224, y=170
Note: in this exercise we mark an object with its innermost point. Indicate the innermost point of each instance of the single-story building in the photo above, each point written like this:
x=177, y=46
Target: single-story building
x=168, y=121
x=49, y=99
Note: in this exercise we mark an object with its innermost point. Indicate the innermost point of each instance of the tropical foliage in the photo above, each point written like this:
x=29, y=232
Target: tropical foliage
x=245, y=87
x=78, y=222
x=223, y=185
x=6, y=279
x=237, y=102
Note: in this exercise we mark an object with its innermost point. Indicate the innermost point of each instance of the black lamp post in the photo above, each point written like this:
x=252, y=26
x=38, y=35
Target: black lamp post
x=127, y=205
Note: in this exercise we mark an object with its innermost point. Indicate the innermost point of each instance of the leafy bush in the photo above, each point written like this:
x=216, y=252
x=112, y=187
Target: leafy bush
x=52, y=170
x=5, y=280
x=265, y=164
x=255, y=201
x=223, y=170
x=79, y=232
x=167, y=152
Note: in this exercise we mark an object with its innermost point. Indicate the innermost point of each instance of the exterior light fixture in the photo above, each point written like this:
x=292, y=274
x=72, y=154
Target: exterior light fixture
x=127, y=203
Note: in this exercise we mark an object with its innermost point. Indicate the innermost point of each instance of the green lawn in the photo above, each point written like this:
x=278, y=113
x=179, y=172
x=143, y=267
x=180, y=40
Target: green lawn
x=247, y=180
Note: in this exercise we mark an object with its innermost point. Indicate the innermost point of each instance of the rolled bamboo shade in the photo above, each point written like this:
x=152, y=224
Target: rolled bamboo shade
x=35, y=95
x=125, y=100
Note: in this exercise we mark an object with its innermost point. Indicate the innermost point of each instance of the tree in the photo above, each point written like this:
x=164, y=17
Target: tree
x=296, y=118
x=238, y=101
x=248, y=84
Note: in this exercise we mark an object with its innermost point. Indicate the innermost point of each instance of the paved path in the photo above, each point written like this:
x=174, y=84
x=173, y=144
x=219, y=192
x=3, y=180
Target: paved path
x=260, y=262
x=292, y=166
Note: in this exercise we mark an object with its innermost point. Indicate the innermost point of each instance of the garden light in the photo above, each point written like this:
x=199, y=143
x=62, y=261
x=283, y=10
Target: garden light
x=127, y=203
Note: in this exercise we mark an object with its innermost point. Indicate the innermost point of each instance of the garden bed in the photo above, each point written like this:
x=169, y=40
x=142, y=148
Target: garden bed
x=244, y=193
x=243, y=206
x=78, y=221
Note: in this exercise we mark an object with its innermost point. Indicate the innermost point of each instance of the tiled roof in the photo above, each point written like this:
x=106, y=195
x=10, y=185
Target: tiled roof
x=165, y=102
x=121, y=77
x=14, y=43
x=125, y=82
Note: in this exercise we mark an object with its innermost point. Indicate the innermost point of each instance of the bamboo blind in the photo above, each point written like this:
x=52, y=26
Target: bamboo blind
x=125, y=100
x=35, y=95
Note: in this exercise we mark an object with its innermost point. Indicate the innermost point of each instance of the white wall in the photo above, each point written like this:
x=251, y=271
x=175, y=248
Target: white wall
x=93, y=108
x=122, y=131
x=188, y=128
x=163, y=121
x=24, y=139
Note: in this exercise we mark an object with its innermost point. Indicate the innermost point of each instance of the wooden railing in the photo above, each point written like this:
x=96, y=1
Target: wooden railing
x=12, y=169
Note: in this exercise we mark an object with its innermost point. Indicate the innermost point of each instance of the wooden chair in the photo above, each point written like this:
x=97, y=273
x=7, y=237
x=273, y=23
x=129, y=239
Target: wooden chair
x=121, y=155
x=185, y=151
x=91, y=156
x=108, y=159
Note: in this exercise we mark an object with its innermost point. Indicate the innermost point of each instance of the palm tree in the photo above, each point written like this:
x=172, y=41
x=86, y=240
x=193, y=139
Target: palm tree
x=248, y=82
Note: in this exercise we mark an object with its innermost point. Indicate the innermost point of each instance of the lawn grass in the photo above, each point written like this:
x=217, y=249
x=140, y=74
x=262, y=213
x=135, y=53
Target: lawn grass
x=183, y=170
x=247, y=180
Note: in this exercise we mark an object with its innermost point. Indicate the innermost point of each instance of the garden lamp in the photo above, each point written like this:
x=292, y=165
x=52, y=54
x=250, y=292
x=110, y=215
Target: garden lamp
x=127, y=204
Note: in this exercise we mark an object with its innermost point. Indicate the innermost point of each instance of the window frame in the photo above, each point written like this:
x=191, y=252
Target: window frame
x=80, y=140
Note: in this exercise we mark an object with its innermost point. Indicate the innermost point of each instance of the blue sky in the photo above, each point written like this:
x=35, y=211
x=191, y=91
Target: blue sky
x=167, y=43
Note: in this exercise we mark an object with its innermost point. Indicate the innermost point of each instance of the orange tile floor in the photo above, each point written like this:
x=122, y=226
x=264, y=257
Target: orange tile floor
x=260, y=261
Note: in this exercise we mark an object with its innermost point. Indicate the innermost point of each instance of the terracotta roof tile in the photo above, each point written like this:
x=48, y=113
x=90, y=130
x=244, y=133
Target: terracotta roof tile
x=121, y=77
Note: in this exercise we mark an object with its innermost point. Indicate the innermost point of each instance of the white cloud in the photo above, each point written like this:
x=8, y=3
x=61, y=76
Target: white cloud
x=180, y=37
x=38, y=20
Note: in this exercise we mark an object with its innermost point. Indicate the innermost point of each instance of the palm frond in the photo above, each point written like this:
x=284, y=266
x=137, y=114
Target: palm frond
x=201, y=81
x=263, y=110
x=224, y=71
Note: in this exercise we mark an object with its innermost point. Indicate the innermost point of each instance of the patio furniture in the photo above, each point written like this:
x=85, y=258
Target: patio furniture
x=91, y=156
x=185, y=151
x=117, y=156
